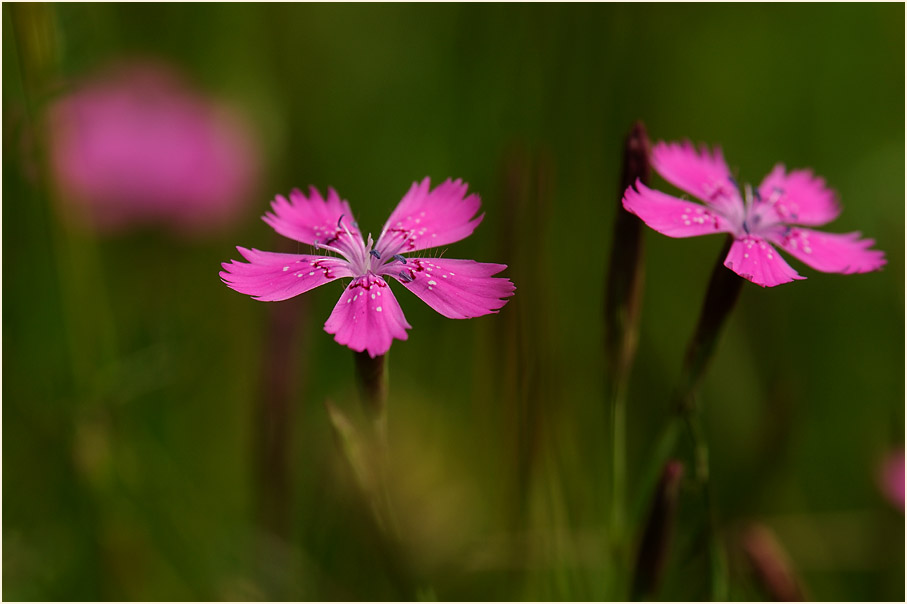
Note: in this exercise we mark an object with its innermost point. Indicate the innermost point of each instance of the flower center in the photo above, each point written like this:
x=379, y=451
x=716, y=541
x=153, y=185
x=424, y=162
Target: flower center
x=362, y=256
x=759, y=213
x=375, y=261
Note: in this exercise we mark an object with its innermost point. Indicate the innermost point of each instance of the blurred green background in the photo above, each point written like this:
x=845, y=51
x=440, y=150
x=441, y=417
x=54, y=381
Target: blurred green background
x=134, y=380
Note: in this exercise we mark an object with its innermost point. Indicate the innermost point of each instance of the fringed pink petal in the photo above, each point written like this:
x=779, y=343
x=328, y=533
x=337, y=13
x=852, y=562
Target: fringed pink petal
x=367, y=317
x=427, y=218
x=757, y=261
x=830, y=252
x=702, y=173
x=458, y=289
x=799, y=197
x=271, y=276
x=313, y=219
x=672, y=216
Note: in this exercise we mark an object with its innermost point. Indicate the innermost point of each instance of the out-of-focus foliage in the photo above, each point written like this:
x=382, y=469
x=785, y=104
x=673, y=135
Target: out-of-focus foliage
x=134, y=382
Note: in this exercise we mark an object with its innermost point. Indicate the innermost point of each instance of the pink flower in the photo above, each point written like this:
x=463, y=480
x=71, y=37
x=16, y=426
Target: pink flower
x=774, y=213
x=137, y=145
x=367, y=316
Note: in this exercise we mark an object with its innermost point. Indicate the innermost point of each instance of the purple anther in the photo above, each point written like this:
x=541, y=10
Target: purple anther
x=375, y=254
x=405, y=278
x=400, y=258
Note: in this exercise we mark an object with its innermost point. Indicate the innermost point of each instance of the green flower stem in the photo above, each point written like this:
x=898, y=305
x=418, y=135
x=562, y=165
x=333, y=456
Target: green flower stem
x=623, y=294
x=371, y=375
x=721, y=296
x=359, y=454
x=372, y=378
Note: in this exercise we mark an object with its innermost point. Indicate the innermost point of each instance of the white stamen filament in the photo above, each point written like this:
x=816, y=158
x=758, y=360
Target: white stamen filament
x=363, y=259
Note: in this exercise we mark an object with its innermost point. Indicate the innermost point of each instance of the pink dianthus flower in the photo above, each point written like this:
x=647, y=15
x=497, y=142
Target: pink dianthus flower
x=774, y=213
x=367, y=317
x=137, y=145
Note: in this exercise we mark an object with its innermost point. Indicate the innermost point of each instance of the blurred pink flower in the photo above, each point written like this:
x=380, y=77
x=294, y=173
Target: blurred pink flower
x=891, y=478
x=367, y=316
x=771, y=214
x=137, y=145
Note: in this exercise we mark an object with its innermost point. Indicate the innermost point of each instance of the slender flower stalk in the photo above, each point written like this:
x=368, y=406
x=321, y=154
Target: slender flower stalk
x=720, y=298
x=623, y=286
x=623, y=296
x=359, y=452
x=367, y=452
x=371, y=377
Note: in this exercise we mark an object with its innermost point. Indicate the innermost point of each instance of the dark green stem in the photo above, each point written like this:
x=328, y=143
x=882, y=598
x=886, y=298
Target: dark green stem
x=372, y=378
x=623, y=294
x=371, y=375
x=721, y=296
